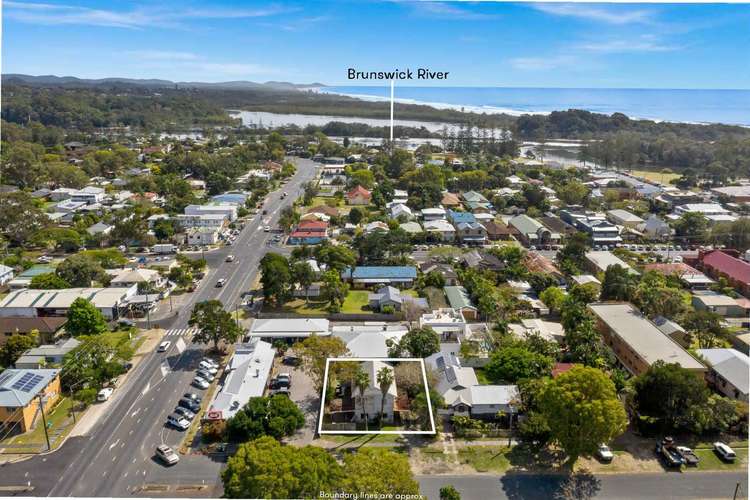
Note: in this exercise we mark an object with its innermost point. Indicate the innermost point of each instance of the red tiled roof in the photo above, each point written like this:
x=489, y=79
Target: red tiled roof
x=737, y=269
x=324, y=209
x=312, y=225
x=45, y=324
x=358, y=190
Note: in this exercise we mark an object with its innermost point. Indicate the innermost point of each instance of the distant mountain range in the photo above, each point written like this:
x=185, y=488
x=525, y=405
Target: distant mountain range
x=72, y=81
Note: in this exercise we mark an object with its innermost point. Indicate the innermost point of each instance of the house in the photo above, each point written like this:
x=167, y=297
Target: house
x=289, y=328
x=735, y=194
x=400, y=211
x=369, y=340
x=153, y=219
x=23, y=280
x=723, y=305
x=596, y=225
x=431, y=214
x=202, y=236
x=324, y=209
x=471, y=233
x=309, y=232
x=728, y=372
x=228, y=210
x=636, y=341
x=21, y=393
x=201, y=221
x=598, y=261
x=411, y=227
x=376, y=226
x=482, y=260
x=47, y=355
x=583, y=279
x=459, y=300
x=61, y=194
x=448, y=323
x=381, y=275
x=369, y=405
x=440, y=230
x=389, y=296
x=497, y=230
x=459, y=217
x=691, y=277
x=6, y=274
x=711, y=211
x=245, y=377
x=126, y=278
x=474, y=197
x=548, y=330
x=41, y=303
x=358, y=196
x=624, y=218
x=719, y=264
x=557, y=225
x=99, y=228
x=537, y=263
x=445, y=270
x=48, y=327
x=655, y=228
x=88, y=195
x=460, y=389
x=400, y=196
x=531, y=232
x=450, y=200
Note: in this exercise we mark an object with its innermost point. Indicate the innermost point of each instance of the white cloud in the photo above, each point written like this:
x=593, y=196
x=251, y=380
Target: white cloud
x=643, y=43
x=59, y=14
x=448, y=11
x=614, y=15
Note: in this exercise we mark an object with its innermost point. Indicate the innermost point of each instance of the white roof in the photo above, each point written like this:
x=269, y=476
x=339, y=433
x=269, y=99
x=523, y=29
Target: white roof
x=731, y=364
x=603, y=259
x=493, y=394
x=247, y=375
x=439, y=225
x=289, y=327
x=368, y=341
x=62, y=299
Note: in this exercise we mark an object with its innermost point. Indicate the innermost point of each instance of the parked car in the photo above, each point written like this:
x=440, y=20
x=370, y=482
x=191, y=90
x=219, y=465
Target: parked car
x=205, y=375
x=687, y=455
x=604, y=453
x=193, y=396
x=221, y=282
x=200, y=383
x=104, y=394
x=280, y=390
x=287, y=377
x=230, y=258
x=184, y=412
x=178, y=422
x=164, y=346
x=167, y=454
x=670, y=456
x=267, y=229
x=189, y=404
x=209, y=367
x=724, y=451
x=210, y=362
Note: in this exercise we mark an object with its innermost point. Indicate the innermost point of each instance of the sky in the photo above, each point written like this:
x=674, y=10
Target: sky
x=581, y=45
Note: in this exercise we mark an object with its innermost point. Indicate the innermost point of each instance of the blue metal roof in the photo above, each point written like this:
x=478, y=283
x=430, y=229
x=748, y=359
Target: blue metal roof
x=457, y=217
x=370, y=272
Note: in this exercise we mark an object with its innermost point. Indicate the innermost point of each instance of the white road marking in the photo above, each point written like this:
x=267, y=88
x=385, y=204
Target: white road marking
x=114, y=458
x=146, y=389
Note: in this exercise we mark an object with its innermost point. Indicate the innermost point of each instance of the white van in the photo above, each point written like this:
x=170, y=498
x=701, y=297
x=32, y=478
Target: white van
x=164, y=346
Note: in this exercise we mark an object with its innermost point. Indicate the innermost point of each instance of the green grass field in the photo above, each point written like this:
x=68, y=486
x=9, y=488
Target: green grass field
x=655, y=175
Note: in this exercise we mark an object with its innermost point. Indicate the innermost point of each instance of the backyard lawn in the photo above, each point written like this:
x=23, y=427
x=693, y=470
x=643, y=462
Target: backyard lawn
x=353, y=304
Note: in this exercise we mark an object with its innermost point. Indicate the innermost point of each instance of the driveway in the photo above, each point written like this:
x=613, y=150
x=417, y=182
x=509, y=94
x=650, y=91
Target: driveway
x=306, y=397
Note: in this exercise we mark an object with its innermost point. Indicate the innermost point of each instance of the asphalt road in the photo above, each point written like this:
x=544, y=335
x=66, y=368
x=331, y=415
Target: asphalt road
x=521, y=486
x=116, y=459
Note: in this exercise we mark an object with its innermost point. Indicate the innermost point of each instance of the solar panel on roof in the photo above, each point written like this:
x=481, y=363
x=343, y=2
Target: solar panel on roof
x=31, y=383
x=4, y=377
x=22, y=381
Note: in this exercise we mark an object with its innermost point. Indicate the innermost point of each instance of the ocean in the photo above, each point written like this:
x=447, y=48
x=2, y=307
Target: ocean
x=676, y=105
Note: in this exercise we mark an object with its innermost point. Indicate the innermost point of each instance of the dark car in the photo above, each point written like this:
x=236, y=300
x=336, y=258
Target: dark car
x=189, y=404
x=192, y=397
x=666, y=451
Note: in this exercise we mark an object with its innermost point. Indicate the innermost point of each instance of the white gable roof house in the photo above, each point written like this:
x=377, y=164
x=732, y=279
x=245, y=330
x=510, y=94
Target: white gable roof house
x=459, y=387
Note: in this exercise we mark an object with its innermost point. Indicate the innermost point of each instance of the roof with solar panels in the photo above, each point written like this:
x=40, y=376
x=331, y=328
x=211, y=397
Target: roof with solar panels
x=19, y=387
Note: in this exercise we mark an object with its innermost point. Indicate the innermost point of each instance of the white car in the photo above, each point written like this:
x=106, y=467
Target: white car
x=167, y=454
x=210, y=368
x=179, y=422
x=201, y=383
x=724, y=451
x=604, y=453
x=230, y=258
x=164, y=346
x=267, y=229
x=104, y=394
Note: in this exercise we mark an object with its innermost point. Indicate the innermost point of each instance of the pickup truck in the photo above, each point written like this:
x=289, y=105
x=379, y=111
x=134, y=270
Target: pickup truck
x=687, y=455
x=666, y=451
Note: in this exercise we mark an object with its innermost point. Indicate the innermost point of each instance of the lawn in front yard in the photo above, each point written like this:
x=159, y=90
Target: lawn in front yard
x=355, y=301
x=709, y=460
x=485, y=458
x=58, y=417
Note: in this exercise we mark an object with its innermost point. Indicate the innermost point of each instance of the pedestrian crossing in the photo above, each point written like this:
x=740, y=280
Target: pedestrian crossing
x=181, y=332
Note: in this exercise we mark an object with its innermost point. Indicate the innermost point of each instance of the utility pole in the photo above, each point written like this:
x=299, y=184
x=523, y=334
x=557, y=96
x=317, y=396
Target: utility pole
x=736, y=491
x=44, y=420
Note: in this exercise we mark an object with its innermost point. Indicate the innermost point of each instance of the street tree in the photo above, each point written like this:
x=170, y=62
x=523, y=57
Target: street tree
x=214, y=323
x=511, y=364
x=277, y=416
x=313, y=353
x=85, y=319
x=264, y=468
x=582, y=411
x=378, y=471
x=276, y=278
x=449, y=493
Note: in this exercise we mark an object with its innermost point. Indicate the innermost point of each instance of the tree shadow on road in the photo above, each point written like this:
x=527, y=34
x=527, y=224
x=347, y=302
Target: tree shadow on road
x=580, y=485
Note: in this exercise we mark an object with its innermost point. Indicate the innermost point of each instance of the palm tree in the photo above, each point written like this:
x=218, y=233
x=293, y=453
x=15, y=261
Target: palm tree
x=385, y=379
x=362, y=382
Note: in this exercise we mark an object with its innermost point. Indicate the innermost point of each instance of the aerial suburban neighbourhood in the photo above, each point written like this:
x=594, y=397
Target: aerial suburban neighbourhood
x=274, y=290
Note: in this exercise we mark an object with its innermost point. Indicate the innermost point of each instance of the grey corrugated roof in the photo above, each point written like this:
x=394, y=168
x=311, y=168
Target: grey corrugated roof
x=731, y=364
x=458, y=298
x=13, y=396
